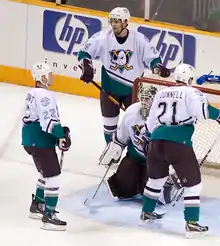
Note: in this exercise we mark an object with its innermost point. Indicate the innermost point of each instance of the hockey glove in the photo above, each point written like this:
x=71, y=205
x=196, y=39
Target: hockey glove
x=161, y=71
x=112, y=153
x=87, y=70
x=65, y=143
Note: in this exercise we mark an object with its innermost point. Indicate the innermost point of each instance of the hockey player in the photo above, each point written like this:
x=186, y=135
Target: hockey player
x=124, y=54
x=41, y=132
x=171, y=124
x=131, y=175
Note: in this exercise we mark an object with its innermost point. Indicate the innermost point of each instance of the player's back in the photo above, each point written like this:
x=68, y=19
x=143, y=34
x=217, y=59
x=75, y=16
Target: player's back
x=174, y=112
x=39, y=117
x=172, y=106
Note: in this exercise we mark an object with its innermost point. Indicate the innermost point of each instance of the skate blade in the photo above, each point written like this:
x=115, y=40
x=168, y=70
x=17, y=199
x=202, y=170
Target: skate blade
x=35, y=216
x=195, y=234
x=51, y=227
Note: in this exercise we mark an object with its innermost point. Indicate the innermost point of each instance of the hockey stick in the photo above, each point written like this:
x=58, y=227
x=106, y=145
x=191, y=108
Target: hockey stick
x=94, y=195
x=61, y=159
x=109, y=96
x=200, y=164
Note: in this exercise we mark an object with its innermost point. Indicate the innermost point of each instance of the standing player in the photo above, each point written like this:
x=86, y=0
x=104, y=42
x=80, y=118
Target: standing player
x=131, y=175
x=41, y=132
x=171, y=124
x=124, y=54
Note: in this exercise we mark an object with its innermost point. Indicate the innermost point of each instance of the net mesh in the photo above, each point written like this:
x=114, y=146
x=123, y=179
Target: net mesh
x=207, y=132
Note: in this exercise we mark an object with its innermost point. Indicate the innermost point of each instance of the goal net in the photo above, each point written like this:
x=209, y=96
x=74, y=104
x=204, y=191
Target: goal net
x=206, y=131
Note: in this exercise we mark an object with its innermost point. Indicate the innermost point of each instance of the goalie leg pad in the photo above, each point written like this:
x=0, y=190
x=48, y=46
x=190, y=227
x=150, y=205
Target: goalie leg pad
x=111, y=154
x=129, y=180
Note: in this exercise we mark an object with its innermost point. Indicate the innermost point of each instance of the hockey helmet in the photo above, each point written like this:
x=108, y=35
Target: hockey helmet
x=120, y=13
x=39, y=70
x=184, y=73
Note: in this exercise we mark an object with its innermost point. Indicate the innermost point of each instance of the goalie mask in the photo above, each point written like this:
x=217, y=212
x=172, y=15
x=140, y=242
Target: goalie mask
x=146, y=97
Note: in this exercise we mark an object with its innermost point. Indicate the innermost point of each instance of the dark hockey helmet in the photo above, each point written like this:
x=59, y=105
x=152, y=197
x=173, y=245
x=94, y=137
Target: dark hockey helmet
x=146, y=96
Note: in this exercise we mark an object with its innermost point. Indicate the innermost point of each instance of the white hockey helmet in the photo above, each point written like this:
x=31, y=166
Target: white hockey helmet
x=184, y=73
x=146, y=96
x=120, y=13
x=39, y=70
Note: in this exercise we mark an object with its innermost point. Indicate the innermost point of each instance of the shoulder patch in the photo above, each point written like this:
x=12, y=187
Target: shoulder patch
x=45, y=101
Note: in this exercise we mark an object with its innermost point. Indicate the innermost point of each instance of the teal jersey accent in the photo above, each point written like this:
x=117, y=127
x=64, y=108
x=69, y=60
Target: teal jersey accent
x=214, y=113
x=178, y=134
x=83, y=55
x=32, y=135
x=135, y=155
x=112, y=86
x=155, y=62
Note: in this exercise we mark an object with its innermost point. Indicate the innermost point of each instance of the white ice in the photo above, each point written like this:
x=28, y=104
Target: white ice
x=18, y=177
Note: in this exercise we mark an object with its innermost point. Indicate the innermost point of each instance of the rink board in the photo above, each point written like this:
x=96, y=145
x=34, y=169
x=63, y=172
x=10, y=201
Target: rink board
x=54, y=34
x=126, y=214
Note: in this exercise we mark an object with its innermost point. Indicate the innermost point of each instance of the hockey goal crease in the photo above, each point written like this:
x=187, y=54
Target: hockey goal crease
x=206, y=131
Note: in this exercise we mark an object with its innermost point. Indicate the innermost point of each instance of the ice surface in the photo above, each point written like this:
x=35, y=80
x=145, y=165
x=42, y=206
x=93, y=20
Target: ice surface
x=99, y=224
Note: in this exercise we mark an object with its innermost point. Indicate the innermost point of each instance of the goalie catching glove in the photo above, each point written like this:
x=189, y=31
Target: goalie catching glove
x=112, y=153
x=65, y=143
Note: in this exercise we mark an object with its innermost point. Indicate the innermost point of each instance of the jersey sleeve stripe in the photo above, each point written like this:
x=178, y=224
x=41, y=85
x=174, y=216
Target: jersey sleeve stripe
x=204, y=111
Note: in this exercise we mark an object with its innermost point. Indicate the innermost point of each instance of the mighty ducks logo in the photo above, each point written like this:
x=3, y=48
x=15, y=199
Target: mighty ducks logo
x=139, y=131
x=121, y=59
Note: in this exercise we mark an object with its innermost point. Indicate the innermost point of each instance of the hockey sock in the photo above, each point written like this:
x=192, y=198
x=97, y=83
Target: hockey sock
x=149, y=204
x=108, y=138
x=51, y=193
x=151, y=194
x=192, y=203
x=191, y=213
x=39, y=195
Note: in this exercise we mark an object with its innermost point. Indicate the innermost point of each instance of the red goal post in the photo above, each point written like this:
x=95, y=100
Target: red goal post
x=206, y=131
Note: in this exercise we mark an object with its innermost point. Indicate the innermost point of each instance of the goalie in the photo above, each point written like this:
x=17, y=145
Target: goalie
x=131, y=175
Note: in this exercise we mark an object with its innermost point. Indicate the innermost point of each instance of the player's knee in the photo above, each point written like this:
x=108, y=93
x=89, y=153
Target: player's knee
x=52, y=182
x=192, y=179
x=49, y=172
x=193, y=191
x=156, y=183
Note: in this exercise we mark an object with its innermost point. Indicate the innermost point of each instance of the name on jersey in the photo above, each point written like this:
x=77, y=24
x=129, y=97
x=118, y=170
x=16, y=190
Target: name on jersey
x=172, y=94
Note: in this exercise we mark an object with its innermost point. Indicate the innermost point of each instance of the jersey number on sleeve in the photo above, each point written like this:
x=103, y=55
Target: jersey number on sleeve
x=164, y=106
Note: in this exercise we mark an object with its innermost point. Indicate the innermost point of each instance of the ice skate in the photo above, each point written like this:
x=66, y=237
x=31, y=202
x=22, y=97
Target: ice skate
x=194, y=229
x=36, y=209
x=149, y=217
x=52, y=222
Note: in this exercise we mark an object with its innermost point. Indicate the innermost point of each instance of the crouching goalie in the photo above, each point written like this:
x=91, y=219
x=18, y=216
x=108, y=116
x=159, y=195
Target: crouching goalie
x=131, y=175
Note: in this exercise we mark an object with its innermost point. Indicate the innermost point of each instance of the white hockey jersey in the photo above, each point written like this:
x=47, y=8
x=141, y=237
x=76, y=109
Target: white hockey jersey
x=41, y=106
x=176, y=106
x=132, y=128
x=122, y=62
